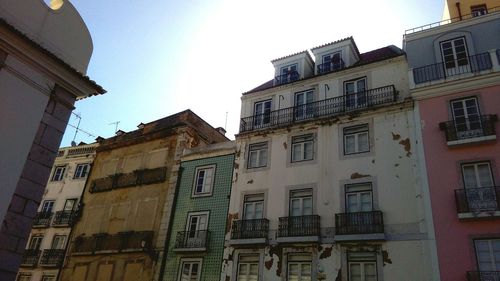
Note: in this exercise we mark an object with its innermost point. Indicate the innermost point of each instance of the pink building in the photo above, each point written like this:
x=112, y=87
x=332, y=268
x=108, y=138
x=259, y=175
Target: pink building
x=455, y=80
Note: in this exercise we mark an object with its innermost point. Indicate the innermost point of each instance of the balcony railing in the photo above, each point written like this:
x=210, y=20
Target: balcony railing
x=483, y=275
x=287, y=78
x=42, y=219
x=250, y=229
x=52, y=257
x=471, y=64
x=30, y=257
x=359, y=223
x=136, y=178
x=124, y=241
x=192, y=240
x=299, y=226
x=331, y=66
x=324, y=108
x=482, y=199
x=65, y=218
x=467, y=128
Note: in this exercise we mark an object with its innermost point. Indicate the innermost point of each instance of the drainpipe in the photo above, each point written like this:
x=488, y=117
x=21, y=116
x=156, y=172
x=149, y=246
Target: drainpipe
x=459, y=11
x=170, y=222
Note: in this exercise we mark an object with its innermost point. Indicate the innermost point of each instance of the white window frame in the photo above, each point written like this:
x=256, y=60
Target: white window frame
x=37, y=245
x=189, y=261
x=454, y=54
x=471, y=120
x=365, y=188
x=207, y=183
x=362, y=262
x=75, y=205
x=252, y=259
x=253, y=200
x=81, y=171
x=302, y=103
x=491, y=252
x=59, y=244
x=59, y=173
x=47, y=206
x=300, y=142
x=476, y=165
x=287, y=70
x=262, y=117
x=258, y=148
x=356, y=131
x=328, y=58
x=300, y=262
x=358, y=97
x=295, y=196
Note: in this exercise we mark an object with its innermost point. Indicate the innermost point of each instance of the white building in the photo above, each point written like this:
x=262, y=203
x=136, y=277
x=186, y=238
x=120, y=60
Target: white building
x=59, y=210
x=326, y=184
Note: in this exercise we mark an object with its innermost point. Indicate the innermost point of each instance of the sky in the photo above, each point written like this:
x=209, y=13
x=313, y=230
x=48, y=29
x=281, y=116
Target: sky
x=159, y=57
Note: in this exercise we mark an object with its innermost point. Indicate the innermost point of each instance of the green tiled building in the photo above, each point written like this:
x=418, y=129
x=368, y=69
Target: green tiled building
x=196, y=244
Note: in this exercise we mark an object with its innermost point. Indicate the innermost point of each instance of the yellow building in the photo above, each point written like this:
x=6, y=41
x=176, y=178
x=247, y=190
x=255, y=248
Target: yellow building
x=128, y=198
x=459, y=9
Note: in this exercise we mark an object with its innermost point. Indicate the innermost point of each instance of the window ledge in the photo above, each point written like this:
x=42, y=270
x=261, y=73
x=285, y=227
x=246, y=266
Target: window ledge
x=201, y=249
x=297, y=239
x=249, y=241
x=472, y=140
x=360, y=237
x=477, y=215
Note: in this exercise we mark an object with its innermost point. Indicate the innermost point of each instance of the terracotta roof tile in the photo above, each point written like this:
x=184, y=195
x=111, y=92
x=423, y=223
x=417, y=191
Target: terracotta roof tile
x=303, y=52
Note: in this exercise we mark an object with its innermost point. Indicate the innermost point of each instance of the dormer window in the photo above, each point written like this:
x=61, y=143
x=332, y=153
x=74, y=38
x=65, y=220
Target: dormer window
x=478, y=10
x=331, y=62
x=288, y=74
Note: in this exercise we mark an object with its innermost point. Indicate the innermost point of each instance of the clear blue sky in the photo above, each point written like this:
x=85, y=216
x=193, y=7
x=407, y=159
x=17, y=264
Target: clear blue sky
x=156, y=58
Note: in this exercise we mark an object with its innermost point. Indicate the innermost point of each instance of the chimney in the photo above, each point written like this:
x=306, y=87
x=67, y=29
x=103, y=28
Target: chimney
x=221, y=130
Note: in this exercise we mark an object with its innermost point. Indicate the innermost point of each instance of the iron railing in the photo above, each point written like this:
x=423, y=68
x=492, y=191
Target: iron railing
x=52, y=257
x=30, y=257
x=139, y=177
x=437, y=71
x=359, y=223
x=481, y=199
x=129, y=241
x=299, y=226
x=192, y=239
x=65, y=218
x=331, y=66
x=250, y=229
x=287, y=78
x=324, y=108
x=467, y=128
x=42, y=219
x=483, y=276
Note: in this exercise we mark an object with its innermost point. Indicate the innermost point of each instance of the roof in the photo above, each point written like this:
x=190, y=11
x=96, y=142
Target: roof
x=299, y=53
x=338, y=41
x=98, y=88
x=377, y=55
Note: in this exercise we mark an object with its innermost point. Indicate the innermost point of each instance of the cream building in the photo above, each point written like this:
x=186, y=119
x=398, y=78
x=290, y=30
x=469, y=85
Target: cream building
x=59, y=210
x=326, y=184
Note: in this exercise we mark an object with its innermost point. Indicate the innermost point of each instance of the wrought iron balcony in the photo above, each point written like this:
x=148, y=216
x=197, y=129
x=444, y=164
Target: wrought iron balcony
x=482, y=199
x=196, y=240
x=468, y=128
x=359, y=223
x=123, y=241
x=320, y=109
x=299, y=226
x=483, y=275
x=42, y=219
x=52, y=257
x=136, y=178
x=30, y=258
x=250, y=229
x=331, y=66
x=287, y=78
x=442, y=70
x=65, y=218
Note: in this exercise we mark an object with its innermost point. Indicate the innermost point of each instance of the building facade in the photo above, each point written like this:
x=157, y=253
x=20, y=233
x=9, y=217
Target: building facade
x=196, y=245
x=128, y=199
x=326, y=181
x=42, y=71
x=462, y=9
x=59, y=210
x=455, y=80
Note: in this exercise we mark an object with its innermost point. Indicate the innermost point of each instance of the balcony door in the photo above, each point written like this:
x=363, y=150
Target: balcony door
x=35, y=243
x=479, y=186
x=288, y=74
x=58, y=242
x=262, y=113
x=355, y=93
x=303, y=104
x=253, y=207
x=331, y=62
x=196, y=230
x=455, y=57
x=359, y=198
x=70, y=205
x=47, y=206
x=488, y=258
x=301, y=203
x=466, y=118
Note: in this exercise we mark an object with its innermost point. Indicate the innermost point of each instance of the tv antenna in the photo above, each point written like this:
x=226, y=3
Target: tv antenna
x=79, y=116
x=116, y=125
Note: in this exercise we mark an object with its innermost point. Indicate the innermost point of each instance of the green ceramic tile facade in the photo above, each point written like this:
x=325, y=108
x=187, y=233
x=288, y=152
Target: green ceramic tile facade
x=217, y=205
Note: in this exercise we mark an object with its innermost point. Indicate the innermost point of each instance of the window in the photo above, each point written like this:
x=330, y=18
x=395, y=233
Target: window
x=358, y=197
x=257, y=155
x=248, y=268
x=58, y=174
x=81, y=171
x=190, y=270
x=58, y=242
x=488, y=254
x=299, y=267
x=262, y=113
x=477, y=175
x=454, y=53
x=70, y=205
x=356, y=139
x=35, y=242
x=288, y=74
x=47, y=206
x=362, y=266
x=466, y=118
x=48, y=278
x=301, y=202
x=479, y=190
x=253, y=207
x=23, y=277
x=355, y=95
x=204, y=181
x=478, y=10
x=302, y=148
x=196, y=229
x=331, y=62
x=303, y=104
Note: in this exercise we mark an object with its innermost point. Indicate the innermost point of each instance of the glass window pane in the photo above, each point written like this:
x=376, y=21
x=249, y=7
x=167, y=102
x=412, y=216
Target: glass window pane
x=484, y=175
x=350, y=144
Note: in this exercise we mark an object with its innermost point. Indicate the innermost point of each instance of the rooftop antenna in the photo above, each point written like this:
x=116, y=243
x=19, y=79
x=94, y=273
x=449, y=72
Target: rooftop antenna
x=79, y=116
x=116, y=125
x=225, y=124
